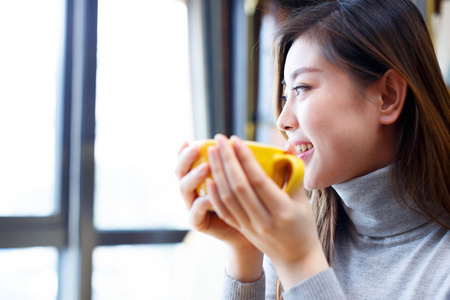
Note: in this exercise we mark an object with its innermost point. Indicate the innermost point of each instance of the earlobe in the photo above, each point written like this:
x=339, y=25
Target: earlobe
x=394, y=89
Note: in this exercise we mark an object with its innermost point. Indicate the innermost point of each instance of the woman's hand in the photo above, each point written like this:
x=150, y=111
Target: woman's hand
x=248, y=200
x=245, y=262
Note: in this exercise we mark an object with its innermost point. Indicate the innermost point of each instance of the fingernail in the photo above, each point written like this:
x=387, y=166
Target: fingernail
x=212, y=153
x=202, y=168
x=220, y=140
x=193, y=148
x=208, y=182
x=237, y=142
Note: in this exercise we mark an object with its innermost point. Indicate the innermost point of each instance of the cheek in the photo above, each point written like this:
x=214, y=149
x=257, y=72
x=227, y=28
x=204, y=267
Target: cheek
x=316, y=123
x=334, y=142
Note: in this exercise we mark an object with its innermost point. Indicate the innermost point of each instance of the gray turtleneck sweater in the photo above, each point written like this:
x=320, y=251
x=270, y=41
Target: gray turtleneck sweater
x=385, y=252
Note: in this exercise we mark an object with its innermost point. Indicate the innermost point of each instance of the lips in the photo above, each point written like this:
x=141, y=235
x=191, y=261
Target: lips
x=304, y=149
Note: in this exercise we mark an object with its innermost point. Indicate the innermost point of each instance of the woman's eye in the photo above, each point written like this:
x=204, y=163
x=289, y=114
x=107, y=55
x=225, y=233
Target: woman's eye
x=299, y=89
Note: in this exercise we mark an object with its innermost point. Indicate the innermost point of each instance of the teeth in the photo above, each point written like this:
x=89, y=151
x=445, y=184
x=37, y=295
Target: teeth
x=303, y=147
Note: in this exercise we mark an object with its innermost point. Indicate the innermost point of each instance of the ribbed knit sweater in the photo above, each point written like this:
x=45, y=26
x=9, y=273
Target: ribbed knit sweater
x=385, y=251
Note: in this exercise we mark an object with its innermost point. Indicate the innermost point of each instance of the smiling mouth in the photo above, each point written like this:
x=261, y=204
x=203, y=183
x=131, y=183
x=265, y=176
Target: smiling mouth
x=302, y=148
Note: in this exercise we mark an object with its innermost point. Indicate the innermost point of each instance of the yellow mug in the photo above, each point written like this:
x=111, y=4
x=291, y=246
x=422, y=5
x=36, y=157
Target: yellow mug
x=285, y=169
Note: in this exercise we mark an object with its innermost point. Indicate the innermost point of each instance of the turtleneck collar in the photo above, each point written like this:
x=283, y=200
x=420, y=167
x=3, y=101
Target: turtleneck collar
x=374, y=209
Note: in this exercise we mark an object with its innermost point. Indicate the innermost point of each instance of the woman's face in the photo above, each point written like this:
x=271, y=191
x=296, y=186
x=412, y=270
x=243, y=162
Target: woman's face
x=333, y=122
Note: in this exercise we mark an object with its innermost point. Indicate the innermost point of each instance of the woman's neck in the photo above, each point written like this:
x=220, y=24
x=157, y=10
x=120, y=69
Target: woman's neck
x=373, y=207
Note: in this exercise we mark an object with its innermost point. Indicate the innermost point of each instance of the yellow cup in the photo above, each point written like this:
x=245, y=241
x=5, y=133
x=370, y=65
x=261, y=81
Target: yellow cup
x=285, y=169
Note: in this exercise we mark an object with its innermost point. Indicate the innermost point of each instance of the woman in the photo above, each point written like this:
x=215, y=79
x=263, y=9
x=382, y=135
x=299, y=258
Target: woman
x=361, y=99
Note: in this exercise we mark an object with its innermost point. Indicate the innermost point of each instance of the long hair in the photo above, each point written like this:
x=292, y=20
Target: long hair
x=366, y=38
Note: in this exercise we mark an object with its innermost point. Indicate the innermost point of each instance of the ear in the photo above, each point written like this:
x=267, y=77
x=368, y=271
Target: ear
x=393, y=94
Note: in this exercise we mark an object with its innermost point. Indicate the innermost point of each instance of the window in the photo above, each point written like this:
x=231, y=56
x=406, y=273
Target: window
x=137, y=272
x=29, y=273
x=143, y=113
x=30, y=67
x=94, y=94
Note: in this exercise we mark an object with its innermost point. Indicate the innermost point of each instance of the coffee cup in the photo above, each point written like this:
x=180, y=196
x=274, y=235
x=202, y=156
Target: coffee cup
x=285, y=169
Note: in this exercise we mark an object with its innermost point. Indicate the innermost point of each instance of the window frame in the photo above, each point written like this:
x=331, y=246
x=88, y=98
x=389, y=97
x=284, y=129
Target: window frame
x=224, y=96
x=71, y=230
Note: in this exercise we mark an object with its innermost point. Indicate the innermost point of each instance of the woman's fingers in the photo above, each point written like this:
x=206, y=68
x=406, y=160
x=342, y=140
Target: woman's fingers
x=189, y=178
x=243, y=204
x=190, y=181
x=240, y=182
x=205, y=221
x=224, y=193
x=186, y=157
x=184, y=145
x=198, y=217
x=217, y=204
x=266, y=189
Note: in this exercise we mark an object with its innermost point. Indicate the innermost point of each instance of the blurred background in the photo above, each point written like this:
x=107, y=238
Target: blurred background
x=96, y=98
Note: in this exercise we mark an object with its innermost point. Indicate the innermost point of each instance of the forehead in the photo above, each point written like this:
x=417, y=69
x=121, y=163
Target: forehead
x=304, y=56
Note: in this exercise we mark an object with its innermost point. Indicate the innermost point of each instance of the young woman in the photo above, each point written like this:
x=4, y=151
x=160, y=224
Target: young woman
x=361, y=99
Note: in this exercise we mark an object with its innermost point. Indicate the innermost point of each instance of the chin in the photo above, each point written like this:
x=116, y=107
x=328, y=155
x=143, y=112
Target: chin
x=314, y=182
x=311, y=185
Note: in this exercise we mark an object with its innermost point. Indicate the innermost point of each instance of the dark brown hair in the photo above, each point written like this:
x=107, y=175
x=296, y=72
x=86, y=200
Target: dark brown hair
x=366, y=38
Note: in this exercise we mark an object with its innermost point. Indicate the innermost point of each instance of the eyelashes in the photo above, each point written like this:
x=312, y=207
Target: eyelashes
x=298, y=90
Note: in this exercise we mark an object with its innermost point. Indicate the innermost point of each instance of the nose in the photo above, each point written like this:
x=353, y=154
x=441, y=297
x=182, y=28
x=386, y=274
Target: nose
x=287, y=120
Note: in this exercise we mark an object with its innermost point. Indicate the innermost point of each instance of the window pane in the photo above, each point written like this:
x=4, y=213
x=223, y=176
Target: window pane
x=137, y=272
x=143, y=113
x=31, y=37
x=29, y=273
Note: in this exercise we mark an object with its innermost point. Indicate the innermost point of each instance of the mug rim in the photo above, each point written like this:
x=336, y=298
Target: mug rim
x=212, y=142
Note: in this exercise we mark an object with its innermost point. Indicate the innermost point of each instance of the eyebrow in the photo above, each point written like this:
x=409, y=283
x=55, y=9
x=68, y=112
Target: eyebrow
x=300, y=71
